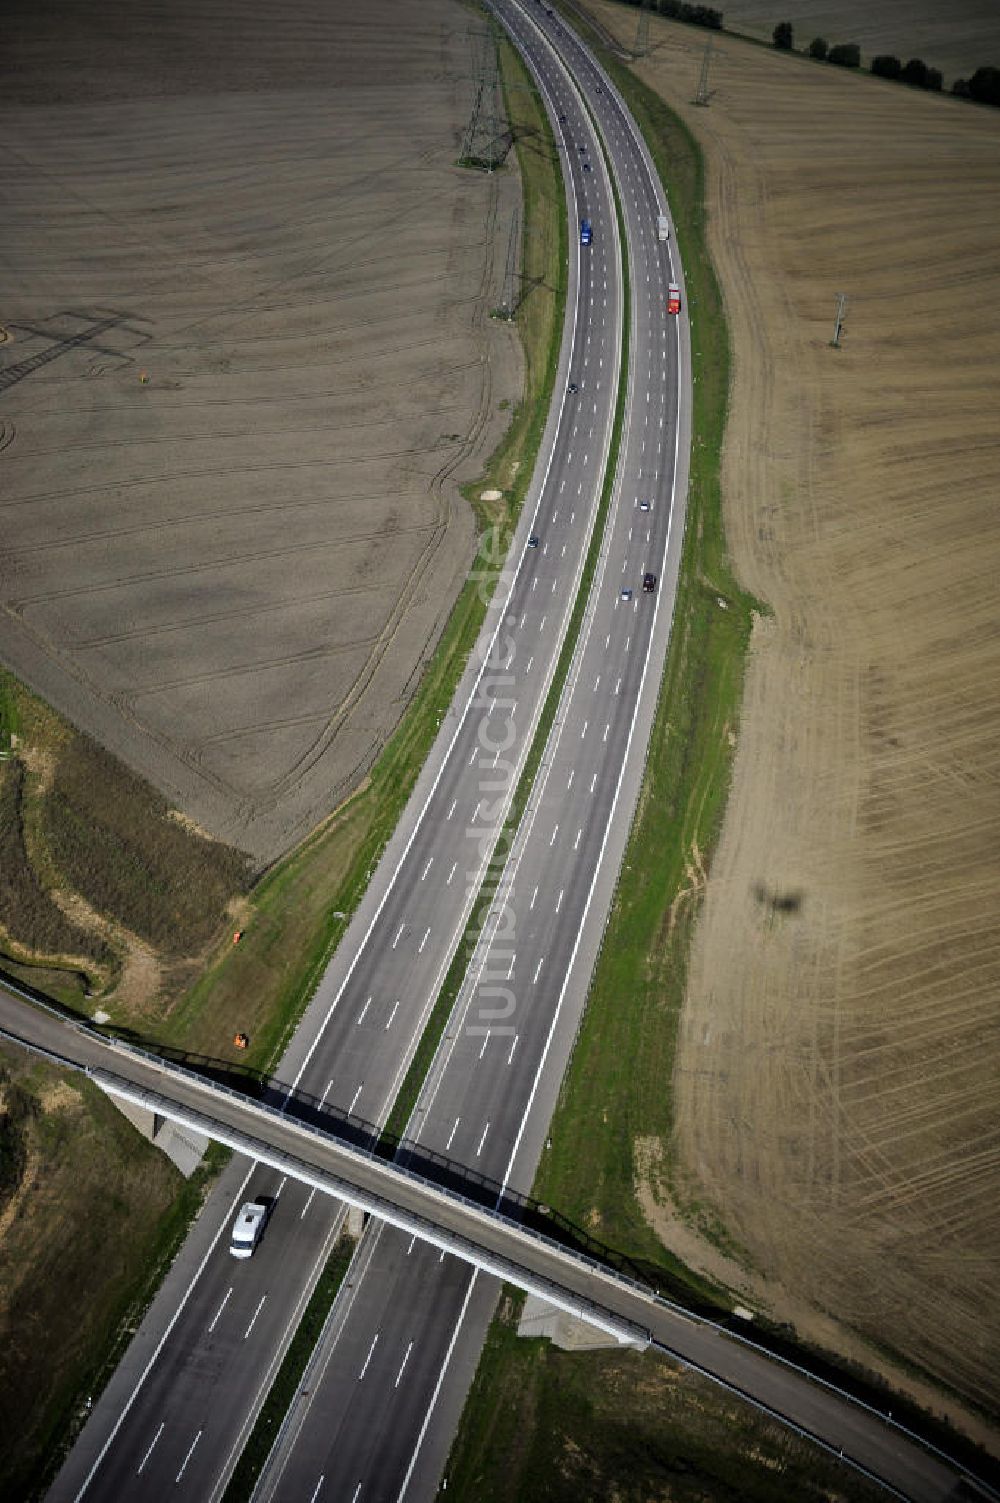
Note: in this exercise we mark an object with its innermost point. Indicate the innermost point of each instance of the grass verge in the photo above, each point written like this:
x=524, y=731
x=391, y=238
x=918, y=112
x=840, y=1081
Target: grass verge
x=548, y=1426
x=293, y=919
x=269, y=1420
x=611, y=1129
x=617, y=1090
x=94, y=1216
x=297, y=912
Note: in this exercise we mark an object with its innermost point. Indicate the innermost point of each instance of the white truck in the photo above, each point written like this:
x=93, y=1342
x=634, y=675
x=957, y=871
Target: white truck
x=662, y=227
x=248, y=1228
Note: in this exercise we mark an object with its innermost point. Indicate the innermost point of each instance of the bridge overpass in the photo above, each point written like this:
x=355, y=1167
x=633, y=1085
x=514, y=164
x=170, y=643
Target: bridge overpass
x=343, y=1162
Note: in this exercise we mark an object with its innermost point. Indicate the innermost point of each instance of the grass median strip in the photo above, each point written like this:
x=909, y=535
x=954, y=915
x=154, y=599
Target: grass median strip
x=448, y=996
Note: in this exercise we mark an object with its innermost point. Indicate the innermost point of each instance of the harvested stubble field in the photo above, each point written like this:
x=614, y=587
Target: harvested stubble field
x=246, y=291
x=837, y=1091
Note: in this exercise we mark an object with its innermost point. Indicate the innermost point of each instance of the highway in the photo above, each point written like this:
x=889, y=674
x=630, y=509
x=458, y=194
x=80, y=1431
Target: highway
x=215, y=1334
x=413, y=1324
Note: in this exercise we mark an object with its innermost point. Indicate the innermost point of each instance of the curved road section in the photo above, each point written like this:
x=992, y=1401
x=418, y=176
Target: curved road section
x=377, y=1409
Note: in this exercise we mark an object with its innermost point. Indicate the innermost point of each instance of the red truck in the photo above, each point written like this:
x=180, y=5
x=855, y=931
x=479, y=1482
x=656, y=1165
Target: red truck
x=673, y=298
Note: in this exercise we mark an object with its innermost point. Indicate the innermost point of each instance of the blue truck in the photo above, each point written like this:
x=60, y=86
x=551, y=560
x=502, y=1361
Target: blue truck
x=586, y=233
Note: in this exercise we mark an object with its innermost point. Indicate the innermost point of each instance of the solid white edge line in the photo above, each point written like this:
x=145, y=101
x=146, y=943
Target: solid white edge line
x=437, y=1387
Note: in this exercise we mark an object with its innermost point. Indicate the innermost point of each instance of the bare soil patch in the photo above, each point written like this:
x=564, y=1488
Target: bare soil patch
x=837, y=1097
x=247, y=291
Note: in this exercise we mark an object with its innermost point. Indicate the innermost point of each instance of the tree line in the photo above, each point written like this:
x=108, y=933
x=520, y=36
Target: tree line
x=679, y=10
x=983, y=86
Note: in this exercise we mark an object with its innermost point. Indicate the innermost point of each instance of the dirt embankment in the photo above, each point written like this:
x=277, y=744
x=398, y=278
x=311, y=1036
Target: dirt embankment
x=837, y=1089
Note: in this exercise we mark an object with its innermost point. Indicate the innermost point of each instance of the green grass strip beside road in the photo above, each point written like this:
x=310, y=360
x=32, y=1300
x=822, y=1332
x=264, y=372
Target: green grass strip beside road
x=448, y=996
x=282, y=1391
x=45, y=1441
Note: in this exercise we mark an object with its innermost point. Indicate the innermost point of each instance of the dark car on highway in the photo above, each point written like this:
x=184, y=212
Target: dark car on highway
x=649, y=582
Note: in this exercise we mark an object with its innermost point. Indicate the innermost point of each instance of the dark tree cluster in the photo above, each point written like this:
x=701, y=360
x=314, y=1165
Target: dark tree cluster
x=914, y=72
x=698, y=15
x=679, y=10
x=845, y=55
x=886, y=66
x=983, y=86
x=783, y=36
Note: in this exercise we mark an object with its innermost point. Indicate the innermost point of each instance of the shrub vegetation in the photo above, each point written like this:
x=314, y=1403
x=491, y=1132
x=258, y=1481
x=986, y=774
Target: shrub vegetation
x=30, y=918
x=112, y=837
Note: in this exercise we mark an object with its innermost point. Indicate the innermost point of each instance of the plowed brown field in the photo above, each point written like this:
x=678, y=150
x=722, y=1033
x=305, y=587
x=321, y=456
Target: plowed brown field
x=247, y=291
x=838, y=1072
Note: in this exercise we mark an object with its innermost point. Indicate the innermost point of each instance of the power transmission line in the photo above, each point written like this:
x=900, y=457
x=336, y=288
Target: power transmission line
x=509, y=298
x=704, y=94
x=641, y=46
x=838, y=327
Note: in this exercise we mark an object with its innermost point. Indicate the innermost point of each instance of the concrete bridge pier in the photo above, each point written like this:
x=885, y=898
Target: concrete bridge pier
x=182, y=1145
x=539, y=1318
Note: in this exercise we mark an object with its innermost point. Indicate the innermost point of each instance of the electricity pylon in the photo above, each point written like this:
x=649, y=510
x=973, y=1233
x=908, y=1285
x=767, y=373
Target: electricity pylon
x=488, y=136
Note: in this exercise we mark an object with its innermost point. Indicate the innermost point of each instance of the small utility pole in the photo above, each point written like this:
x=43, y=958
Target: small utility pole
x=508, y=305
x=841, y=315
x=704, y=94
